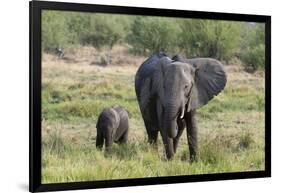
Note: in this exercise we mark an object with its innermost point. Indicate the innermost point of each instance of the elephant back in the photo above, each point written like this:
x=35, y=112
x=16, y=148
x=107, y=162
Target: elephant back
x=146, y=69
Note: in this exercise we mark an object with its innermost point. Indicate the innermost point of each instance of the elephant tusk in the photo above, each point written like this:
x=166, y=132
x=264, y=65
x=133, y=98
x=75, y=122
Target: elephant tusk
x=182, y=113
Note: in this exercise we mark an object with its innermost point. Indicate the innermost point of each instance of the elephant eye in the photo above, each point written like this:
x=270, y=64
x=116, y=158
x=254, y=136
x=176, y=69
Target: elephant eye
x=186, y=86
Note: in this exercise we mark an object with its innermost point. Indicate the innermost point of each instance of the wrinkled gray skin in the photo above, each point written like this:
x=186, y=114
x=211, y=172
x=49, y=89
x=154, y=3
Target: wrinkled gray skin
x=170, y=90
x=112, y=126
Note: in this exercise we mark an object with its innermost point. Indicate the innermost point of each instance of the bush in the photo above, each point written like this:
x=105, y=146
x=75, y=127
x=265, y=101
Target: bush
x=77, y=23
x=209, y=38
x=254, y=58
x=253, y=54
x=54, y=28
x=246, y=140
x=104, y=30
x=60, y=29
x=151, y=34
x=102, y=34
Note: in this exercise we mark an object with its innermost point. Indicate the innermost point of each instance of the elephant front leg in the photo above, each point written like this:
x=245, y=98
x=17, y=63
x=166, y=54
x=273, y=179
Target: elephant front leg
x=99, y=140
x=108, y=141
x=181, y=126
x=168, y=144
x=191, y=128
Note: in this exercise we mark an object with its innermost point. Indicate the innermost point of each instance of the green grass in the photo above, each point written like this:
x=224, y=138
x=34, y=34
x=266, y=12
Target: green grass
x=66, y=162
x=231, y=127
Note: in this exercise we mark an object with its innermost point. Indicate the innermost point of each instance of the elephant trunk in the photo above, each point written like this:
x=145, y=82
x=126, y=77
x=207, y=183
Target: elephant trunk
x=171, y=128
x=170, y=121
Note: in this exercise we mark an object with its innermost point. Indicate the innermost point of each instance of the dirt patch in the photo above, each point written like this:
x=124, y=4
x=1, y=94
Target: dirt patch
x=118, y=56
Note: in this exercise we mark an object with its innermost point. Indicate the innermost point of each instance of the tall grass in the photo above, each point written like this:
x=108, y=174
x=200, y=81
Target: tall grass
x=65, y=162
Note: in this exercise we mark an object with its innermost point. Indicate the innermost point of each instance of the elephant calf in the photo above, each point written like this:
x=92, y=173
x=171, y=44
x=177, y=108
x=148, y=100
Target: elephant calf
x=112, y=125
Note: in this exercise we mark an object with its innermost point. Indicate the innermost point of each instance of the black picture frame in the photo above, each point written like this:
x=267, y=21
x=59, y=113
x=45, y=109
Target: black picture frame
x=35, y=8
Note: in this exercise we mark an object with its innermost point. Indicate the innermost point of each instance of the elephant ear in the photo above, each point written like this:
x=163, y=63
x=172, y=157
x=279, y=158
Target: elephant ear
x=210, y=79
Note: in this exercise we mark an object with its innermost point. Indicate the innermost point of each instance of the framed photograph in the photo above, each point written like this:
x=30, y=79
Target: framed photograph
x=126, y=96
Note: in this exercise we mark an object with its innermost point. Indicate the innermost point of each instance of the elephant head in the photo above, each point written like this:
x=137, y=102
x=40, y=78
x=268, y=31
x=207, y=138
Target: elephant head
x=183, y=85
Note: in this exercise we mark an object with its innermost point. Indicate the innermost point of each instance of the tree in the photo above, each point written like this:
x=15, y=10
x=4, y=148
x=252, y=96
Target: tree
x=151, y=34
x=103, y=30
x=77, y=23
x=253, y=47
x=54, y=29
x=209, y=38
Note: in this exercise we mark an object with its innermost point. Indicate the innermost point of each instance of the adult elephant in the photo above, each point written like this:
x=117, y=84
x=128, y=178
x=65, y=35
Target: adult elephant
x=170, y=90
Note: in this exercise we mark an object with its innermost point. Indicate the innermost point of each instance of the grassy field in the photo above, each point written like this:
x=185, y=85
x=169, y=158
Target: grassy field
x=75, y=90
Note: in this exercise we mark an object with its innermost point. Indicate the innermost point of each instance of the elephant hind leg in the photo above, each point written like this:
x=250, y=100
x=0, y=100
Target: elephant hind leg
x=108, y=141
x=124, y=138
x=152, y=133
x=152, y=137
x=150, y=121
